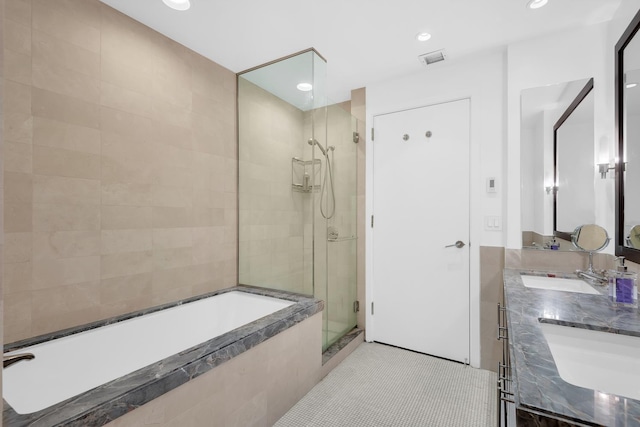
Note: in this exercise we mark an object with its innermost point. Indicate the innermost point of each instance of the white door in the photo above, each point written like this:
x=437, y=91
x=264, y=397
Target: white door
x=421, y=209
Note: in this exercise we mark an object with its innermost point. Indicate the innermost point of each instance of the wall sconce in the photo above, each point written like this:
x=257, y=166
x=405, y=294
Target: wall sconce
x=603, y=168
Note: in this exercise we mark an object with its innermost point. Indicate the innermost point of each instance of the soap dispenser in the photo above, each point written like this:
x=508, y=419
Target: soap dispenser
x=623, y=288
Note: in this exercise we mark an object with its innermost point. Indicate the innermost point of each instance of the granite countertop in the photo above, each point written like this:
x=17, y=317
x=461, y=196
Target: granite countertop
x=114, y=399
x=538, y=386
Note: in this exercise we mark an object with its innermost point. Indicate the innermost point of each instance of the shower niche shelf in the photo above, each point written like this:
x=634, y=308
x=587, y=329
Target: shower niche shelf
x=304, y=173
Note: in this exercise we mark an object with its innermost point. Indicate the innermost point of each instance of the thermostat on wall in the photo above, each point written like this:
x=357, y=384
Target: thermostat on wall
x=491, y=185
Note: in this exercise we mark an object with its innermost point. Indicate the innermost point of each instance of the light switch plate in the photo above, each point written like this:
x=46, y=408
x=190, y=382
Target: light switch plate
x=492, y=223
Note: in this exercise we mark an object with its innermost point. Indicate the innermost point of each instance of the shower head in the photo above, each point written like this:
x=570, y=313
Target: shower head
x=313, y=142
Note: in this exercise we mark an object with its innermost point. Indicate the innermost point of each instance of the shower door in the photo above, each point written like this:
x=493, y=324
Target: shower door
x=334, y=216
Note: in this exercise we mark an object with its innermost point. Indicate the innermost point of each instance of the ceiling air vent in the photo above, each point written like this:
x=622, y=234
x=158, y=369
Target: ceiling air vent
x=432, y=57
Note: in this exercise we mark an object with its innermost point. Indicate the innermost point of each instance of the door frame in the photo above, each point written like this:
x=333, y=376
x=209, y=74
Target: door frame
x=475, y=219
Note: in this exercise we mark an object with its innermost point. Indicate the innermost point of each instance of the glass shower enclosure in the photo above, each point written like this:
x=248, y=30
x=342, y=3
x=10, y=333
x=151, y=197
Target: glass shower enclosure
x=297, y=187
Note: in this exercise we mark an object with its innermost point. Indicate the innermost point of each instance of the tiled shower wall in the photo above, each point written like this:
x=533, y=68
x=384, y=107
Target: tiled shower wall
x=119, y=167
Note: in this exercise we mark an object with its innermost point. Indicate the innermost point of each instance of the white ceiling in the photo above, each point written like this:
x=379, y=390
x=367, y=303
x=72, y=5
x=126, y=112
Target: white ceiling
x=364, y=41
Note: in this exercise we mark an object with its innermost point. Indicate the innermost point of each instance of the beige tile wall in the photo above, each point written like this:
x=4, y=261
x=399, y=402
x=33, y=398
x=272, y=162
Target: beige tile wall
x=560, y=261
x=2, y=156
x=253, y=389
x=120, y=167
x=491, y=293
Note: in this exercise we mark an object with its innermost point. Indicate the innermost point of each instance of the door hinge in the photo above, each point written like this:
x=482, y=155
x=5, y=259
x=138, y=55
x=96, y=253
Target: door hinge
x=372, y=308
x=371, y=221
x=356, y=306
x=373, y=134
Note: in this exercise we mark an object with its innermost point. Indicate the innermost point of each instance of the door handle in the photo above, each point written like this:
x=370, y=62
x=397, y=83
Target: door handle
x=459, y=244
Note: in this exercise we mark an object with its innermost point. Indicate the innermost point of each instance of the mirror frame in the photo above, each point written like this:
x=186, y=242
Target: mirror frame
x=565, y=235
x=621, y=250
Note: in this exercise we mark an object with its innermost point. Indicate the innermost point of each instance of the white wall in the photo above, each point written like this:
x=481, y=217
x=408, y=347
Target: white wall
x=580, y=53
x=494, y=83
x=481, y=79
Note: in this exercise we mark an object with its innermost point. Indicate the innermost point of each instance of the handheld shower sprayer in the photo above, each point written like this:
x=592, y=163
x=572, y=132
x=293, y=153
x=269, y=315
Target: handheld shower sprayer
x=313, y=142
x=330, y=199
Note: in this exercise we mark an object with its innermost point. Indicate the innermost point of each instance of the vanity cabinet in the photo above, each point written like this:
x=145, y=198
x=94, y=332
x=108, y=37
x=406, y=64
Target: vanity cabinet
x=532, y=388
x=506, y=405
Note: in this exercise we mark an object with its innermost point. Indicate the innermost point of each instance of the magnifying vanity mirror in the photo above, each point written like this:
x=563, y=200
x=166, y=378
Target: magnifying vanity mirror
x=627, y=69
x=557, y=163
x=590, y=238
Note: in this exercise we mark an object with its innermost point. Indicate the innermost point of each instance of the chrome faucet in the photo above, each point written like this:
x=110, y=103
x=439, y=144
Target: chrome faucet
x=15, y=358
x=592, y=274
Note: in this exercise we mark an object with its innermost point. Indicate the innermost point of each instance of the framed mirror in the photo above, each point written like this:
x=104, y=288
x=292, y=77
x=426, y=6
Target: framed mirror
x=627, y=72
x=573, y=139
x=542, y=108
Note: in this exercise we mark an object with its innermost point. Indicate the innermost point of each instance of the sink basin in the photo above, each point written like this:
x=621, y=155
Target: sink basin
x=557, y=284
x=609, y=363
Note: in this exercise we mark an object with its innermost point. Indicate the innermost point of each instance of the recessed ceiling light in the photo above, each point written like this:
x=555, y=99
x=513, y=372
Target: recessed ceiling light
x=630, y=85
x=305, y=87
x=536, y=4
x=178, y=4
x=423, y=37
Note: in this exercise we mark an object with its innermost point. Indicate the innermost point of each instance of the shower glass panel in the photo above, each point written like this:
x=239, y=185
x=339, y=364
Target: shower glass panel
x=335, y=221
x=297, y=187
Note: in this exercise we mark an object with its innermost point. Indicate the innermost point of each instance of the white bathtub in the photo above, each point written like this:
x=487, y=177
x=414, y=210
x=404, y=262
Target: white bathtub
x=72, y=365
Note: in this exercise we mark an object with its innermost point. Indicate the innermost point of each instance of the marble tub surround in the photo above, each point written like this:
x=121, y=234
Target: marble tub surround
x=542, y=397
x=339, y=345
x=116, y=398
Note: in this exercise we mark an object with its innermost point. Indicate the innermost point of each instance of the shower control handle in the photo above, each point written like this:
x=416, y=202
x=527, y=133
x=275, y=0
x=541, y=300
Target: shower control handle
x=459, y=244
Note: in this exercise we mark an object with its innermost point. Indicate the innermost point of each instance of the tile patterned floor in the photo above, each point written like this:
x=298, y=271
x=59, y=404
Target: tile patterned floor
x=379, y=385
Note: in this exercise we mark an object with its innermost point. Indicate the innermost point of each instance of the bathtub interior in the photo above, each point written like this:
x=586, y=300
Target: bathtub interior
x=74, y=364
